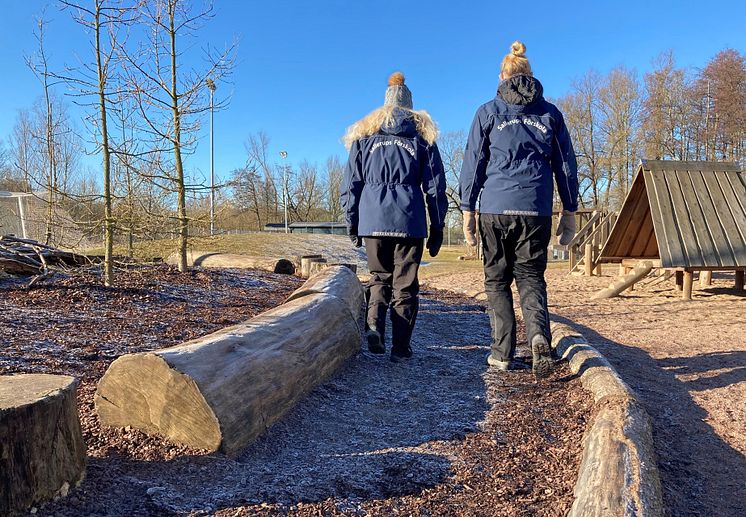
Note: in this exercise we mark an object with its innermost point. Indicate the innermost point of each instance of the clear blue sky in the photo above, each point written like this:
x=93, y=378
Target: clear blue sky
x=306, y=70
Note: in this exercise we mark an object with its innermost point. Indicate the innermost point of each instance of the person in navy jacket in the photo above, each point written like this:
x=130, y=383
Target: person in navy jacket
x=393, y=182
x=517, y=149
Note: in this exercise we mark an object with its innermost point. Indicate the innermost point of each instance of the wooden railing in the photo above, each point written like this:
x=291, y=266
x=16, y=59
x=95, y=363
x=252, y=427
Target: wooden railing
x=585, y=248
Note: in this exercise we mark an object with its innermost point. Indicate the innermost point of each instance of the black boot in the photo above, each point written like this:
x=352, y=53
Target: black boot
x=542, y=356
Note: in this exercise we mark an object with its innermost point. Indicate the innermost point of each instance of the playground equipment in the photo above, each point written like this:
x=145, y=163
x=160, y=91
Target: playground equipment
x=232, y=260
x=682, y=217
x=221, y=391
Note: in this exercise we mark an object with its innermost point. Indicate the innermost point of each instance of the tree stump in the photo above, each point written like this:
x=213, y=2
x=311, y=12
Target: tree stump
x=232, y=260
x=221, y=391
x=305, y=264
x=42, y=453
x=316, y=266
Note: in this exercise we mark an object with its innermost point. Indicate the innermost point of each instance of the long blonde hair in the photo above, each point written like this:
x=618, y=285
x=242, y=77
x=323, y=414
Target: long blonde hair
x=383, y=117
x=516, y=62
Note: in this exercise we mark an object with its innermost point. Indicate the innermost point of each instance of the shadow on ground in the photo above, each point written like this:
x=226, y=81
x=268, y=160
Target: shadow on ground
x=701, y=474
x=370, y=432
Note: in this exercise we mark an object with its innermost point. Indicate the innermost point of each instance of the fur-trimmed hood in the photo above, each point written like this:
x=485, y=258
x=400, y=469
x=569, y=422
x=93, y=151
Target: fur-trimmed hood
x=392, y=120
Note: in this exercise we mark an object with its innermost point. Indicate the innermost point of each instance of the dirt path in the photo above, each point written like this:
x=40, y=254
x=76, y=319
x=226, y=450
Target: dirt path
x=437, y=435
x=687, y=361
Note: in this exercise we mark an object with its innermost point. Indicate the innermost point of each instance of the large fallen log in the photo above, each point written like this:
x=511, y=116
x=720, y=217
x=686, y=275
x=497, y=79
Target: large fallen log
x=337, y=281
x=232, y=260
x=222, y=391
x=624, y=282
x=42, y=453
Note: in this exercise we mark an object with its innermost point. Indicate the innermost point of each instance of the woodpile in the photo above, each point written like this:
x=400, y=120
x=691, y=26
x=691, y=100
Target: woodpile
x=223, y=390
x=42, y=452
x=27, y=257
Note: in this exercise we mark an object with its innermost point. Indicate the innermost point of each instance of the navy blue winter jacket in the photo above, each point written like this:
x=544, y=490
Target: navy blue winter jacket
x=386, y=174
x=517, y=145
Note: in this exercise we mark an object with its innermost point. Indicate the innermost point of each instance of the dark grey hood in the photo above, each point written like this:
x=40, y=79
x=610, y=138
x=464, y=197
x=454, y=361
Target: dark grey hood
x=520, y=90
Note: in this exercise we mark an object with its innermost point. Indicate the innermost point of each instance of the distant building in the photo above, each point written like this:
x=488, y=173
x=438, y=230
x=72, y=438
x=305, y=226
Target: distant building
x=306, y=227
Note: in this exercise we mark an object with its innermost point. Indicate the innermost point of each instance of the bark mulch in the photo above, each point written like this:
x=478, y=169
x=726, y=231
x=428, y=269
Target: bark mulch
x=439, y=435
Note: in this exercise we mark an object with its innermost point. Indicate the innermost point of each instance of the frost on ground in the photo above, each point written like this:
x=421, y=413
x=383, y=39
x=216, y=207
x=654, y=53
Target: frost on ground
x=687, y=362
x=440, y=433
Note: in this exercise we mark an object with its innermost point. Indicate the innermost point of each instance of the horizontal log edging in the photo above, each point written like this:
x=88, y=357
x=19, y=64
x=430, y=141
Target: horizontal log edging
x=619, y=471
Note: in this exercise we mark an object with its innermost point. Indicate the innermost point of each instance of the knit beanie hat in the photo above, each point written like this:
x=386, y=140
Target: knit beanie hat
x=397, y=94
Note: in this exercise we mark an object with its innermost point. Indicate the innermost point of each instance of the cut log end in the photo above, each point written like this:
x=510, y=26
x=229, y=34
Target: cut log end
x=42, y=452
x=143, y=391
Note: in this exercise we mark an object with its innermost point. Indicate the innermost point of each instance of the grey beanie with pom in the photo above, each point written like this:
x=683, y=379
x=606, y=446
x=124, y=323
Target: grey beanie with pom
x=397, y=94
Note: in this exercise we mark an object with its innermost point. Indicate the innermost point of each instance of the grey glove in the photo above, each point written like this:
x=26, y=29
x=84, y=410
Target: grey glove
x=356, y=240
x=470, y=228
x=566, y=228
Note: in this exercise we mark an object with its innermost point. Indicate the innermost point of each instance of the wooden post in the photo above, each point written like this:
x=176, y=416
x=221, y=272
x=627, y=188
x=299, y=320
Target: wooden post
x=687, y=287
x=588, y=260
x=623, y=270
x=571, y=256
x=705, y=278
x=739, y=279
x=679, y=280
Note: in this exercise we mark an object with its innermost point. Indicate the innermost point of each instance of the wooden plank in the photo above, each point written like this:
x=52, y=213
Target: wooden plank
x=734, y=192
x=729, y=212
x=618, y=233
x=666, y=229
x=681, y=210
x=719, y=249
x=640, y=242
x=668, y=165
x=634, y=262
x=700, y=243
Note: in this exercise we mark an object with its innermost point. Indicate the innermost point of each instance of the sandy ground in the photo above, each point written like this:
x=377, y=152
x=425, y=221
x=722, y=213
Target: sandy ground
x=687, y=362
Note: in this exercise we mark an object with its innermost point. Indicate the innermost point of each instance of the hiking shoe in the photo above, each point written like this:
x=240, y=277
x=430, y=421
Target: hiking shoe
x=375, y=342
x=503, y=366
x=400, y=354
x=542, y=357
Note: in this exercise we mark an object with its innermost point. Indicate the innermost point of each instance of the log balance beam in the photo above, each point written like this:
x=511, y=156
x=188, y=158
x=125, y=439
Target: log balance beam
x=221, y=391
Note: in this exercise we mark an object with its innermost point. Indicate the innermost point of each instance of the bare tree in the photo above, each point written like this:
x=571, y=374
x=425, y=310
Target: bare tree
x=334, y=175
x=170, y=97
x=104, y=21
x=451, y=146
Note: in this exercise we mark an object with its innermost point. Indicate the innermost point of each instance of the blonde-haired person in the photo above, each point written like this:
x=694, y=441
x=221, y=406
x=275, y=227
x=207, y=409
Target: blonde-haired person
x=518, y=148
x=393, y=176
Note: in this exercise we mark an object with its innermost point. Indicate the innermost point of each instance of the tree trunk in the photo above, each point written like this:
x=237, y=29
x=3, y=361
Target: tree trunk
x=108, y=216
x=221, y=391
x=42, y=453
x=178, y=163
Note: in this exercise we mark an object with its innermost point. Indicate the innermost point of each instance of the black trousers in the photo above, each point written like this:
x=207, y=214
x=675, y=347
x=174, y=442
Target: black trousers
x=393, y=263
x=515, y=248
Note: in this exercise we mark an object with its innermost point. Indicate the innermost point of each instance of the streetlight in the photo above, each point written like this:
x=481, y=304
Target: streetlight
x=211, y=86
x=283, y=155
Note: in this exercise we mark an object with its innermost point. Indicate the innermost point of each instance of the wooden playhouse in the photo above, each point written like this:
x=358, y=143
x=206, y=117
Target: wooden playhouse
x=682, y=217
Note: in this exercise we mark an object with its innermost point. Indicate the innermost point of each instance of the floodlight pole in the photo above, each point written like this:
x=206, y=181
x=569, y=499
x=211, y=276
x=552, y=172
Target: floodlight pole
x=284, y=155
x=211, y=87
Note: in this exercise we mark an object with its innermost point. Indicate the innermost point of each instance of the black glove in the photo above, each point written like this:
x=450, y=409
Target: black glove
x=435, y=241
x=354, y=238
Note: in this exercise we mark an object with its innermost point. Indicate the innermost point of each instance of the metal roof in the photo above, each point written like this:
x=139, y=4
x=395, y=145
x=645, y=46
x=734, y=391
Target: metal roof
x=687, y=214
